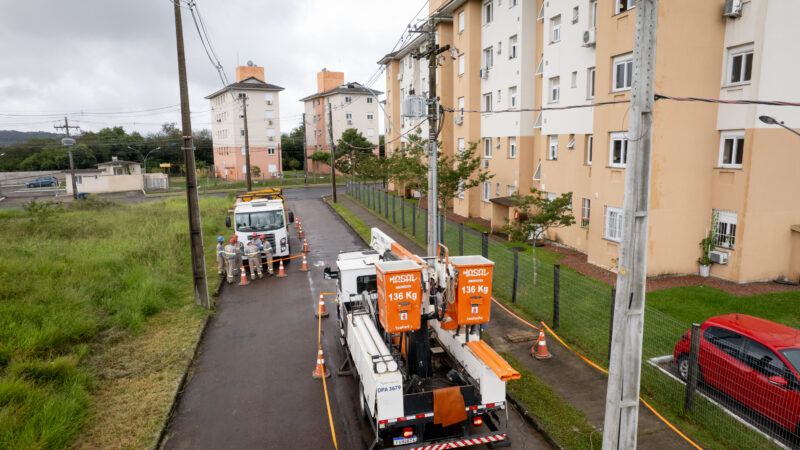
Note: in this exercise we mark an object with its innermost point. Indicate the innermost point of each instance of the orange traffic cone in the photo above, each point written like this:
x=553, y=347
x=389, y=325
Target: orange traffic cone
x=305, y=245
x=243, y=280
x=296, y=222
x=321, y=370
x=281, y=271
x=305, y=264
x=539, y=349
x=300, y=233
x=321, y=311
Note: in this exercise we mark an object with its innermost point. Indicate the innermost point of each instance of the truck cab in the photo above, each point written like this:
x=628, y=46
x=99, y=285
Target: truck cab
x=263, y=212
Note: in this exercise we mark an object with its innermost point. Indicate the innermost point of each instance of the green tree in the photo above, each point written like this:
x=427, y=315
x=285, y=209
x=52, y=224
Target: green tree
x=256, y=171
x=537, y=213
x=351, y=148
x=406, y=167
x=292, y=145
x=294, y=164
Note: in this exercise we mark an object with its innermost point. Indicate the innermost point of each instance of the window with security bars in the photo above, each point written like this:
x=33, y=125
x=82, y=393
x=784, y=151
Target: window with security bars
x=726, y=228
x=613, y=230
x=585, y=209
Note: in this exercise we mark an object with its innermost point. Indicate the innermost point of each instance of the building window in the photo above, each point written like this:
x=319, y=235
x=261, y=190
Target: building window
x=461, y=64
x=348, y=99
x=571, y=143
x=461, y=189
x=613, y=224
x=370, y=116
x=740, y=62
x=512, y=47
x=461, y=21
x=510, y=189
x=623, y=70
x=487, y=147
x=512, y=147
x=244, y=151
x=241, y=113
x=461, y=147
x=487, y=191
x=624, y=5
x=461, y=105
x=348, y=116
x=370, y=132
x=619, y=150
x=555, y=89
x=552, y=153
x=244, y=168
x=537, y=174
x=726, y=228
x=268, y=97
x=593, y=13
x=590, y=83
x=513, y=3
x=731, y=148
x=512, y=97
x=118, y=171
x=487, y=102
x=585, y=207
x=589, y=144
x=575, y=14
x=555, y=26
x=488, y=13
x=270, y=150
x=488, y=54
x=269, y=114
x=241, y=131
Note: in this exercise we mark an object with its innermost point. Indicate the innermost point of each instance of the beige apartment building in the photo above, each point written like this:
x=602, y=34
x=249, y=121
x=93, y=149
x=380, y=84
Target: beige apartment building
x=350, y=105
x=263, y=126
x=710, y=159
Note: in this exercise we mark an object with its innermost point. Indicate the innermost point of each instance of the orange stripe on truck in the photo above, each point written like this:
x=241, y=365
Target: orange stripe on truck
x=495, y=362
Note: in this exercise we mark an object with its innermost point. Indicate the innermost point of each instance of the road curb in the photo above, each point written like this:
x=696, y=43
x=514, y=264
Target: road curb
x=325, y=199
x=162, y=435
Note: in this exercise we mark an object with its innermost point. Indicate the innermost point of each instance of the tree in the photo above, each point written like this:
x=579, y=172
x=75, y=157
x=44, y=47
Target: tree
x=537, y=213
x=351, y=148
x=256, y=171
x=321, y=157
x=459, y=174
x=292, y=145
x=294, y=164
x=406, y=167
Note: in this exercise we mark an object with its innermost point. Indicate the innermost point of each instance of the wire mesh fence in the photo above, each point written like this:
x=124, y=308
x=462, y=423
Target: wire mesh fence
x=765, y=417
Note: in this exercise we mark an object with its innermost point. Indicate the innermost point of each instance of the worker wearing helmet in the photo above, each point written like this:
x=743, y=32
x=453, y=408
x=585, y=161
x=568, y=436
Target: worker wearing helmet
x=230, y=259
x=239, y=245
x=220, y=256
x=254, y=257
x=266, y=249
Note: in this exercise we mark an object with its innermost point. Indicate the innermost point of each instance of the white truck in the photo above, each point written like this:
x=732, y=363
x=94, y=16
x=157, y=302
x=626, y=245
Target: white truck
x=411, y=327
x=263, y=212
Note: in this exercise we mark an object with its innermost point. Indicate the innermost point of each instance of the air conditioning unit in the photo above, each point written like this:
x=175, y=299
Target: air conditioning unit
x=458, y=119
x=718, y=257
x=269, y=102
x=485, y=163
x=269, y=122
x=588, y=37
x=349, y=122
x=270, y=138
x=733, y=8
x=485, y=73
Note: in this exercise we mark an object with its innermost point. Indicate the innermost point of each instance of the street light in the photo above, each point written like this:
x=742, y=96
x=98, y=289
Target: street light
x=772, y=121
x=144, y=163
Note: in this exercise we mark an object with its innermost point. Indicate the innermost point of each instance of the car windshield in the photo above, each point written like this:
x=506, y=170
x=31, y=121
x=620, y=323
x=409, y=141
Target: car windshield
x=793, y=356
x=259, y=221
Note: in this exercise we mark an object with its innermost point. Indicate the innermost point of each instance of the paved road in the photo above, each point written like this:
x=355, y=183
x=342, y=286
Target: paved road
x=251, y=386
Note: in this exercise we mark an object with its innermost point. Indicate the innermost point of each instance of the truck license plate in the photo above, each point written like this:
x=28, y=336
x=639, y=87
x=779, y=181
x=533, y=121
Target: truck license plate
x=403, y=441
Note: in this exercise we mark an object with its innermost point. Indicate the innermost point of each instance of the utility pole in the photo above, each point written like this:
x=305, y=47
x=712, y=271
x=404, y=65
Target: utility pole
x=433, y=148
x=305, y=150
x=249, y=180
x=333, y=150
x=66, y=128
x=625, y=365
x=192, y=201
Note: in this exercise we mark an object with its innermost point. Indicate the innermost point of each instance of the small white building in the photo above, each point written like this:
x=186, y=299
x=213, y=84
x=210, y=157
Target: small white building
x=113, y=176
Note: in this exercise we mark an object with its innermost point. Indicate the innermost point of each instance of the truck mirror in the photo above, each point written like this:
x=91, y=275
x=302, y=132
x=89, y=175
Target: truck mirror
x=228, y=222
x=291, y=217
x=329, y=274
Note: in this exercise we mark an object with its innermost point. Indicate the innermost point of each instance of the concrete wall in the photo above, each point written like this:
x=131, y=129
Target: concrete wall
x=107, y=183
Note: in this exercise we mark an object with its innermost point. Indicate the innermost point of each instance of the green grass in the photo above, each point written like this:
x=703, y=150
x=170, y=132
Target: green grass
x=564, y=423
x=290, y=179
x=476, y=227
x=70, y=274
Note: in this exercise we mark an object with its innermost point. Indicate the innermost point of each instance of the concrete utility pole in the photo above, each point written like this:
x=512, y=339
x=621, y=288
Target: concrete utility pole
x=192, y=201
x=433, y=149
x=625, y=365
x=333, y=150
x=66, y=128
x=249, y=180
x=305, y=150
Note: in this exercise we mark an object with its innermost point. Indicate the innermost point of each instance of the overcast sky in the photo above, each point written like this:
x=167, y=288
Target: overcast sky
x=93, y=58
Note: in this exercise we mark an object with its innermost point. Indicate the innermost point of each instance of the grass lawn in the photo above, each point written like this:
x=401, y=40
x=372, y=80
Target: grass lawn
x=290, y=179
x=97, y=320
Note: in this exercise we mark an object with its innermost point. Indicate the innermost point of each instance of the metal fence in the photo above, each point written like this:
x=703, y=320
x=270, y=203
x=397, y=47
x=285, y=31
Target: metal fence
x=579, y=309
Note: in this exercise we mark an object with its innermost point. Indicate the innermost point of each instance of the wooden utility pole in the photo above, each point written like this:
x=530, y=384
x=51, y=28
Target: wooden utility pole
x=249, y=179
x=192, y=201
x=625, y=365
x=333, y=150
x=66, y=128
x=305, y=150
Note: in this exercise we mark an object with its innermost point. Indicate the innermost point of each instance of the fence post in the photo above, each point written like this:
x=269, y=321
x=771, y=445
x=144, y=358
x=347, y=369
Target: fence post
x=556, y=295
x=394, y=211
x=441, y=228
x=485, y=244
x=386, y=204
x=611, y=324
x=403, y=213
x=516, y=275
x=414, y=220
x=461, y=238
x=691, y=381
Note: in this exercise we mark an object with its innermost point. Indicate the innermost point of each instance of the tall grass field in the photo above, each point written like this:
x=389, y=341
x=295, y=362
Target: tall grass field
x=71, y=275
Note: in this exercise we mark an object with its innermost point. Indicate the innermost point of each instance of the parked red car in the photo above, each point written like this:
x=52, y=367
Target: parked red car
x=753, y=360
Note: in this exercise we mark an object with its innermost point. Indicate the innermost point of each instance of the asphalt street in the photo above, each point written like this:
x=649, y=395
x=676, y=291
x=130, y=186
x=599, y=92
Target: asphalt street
x=251, y=386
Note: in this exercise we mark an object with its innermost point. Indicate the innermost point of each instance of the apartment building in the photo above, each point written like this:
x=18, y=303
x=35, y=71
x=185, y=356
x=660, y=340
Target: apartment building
x=351, y=105
x=263, y=126
x=710, y=160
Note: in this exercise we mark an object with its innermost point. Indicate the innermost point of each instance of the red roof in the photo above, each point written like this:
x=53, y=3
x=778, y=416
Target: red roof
x=767, y=332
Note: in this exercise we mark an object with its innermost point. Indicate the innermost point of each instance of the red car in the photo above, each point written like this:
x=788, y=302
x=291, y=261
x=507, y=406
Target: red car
x=753, y=360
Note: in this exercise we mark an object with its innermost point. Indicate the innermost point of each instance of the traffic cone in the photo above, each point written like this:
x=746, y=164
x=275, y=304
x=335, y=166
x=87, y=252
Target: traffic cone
x=296, y=222
x=243, y=280
x=305, y=264
x=539, y=349
x=281, y=271
x=321, y=370
x=321, y=311
x=305, y=245
x=301, y=231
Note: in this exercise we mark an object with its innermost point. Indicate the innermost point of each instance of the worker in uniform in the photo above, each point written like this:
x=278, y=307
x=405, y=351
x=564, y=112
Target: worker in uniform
x=239, y=255
x=220, y=257
x=266, y=249
x=230, y=259
x=254, y=257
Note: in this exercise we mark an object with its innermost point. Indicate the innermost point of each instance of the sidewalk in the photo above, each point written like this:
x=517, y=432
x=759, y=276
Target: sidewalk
x=581, y=385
